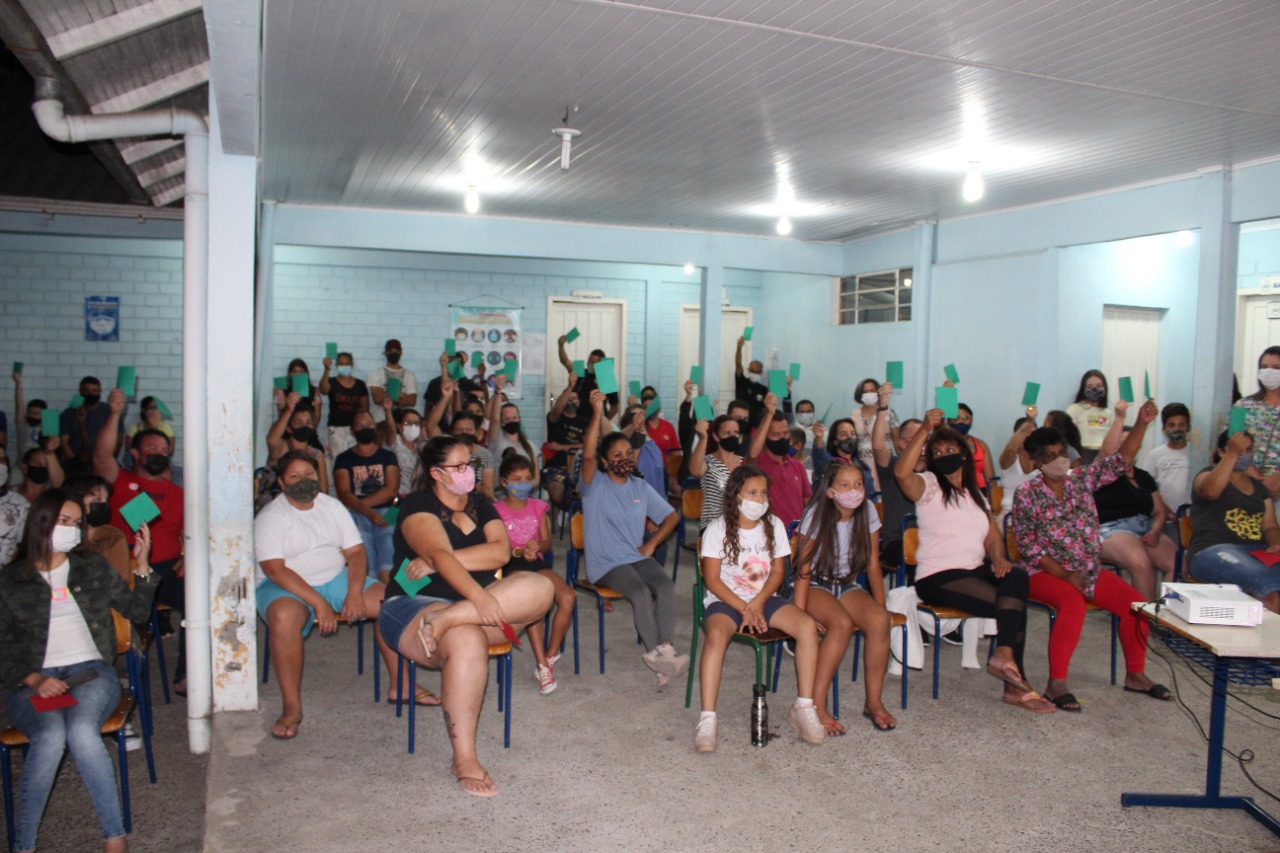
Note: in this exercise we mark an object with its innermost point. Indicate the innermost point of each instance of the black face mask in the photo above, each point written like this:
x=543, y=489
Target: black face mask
x=947, y=465
x=38, y=475
x=365, y=436
x=571, y=411
x=847, y=447
x=511, y=427
x=99, y=514
x=732, y=443
x=778, y=446
x=466, y=438
x=303, y=434
x=91, y=399
x=393, y=358
x=35, y=422
x=744, y=425
x=155, y=464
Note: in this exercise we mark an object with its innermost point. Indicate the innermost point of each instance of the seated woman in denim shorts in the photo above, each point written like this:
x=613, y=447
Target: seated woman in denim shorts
x=1232, y=516
x=455, y=537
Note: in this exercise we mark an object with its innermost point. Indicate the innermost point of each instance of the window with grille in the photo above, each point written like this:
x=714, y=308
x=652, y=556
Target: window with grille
x=878, y=297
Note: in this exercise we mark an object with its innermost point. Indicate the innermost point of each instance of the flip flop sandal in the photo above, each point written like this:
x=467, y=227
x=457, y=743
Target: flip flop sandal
x=1155, y=691
x=1066, y=702
x=289, y=723
x=1008, y=673
x=481, y=780
x=1030, y=701
x=878, y=719
x=420, y=697
x=834, y=728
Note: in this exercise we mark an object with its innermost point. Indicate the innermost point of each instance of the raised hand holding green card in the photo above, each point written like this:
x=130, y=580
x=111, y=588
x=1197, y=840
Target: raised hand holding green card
x=450, y=346
x=948, y=399
x=139, y=511
x=951, y=372
x=1032, y=394
x=572, y=335
x=606, y=379
x=702, y=409
x=634, y=387
x=50, y=424
x=1237, y=423
x=654, y=406
x=76, y=401
x=747, y=332
x=411, y=587
x=301, y=386
x=281, y=383
x=164, y=410
x=778, y=384
x=477, y=358
x=579, y=367
x=17, y=367
x=393, y=388
x=331, y=350
x=1146, y=384
x=127, y=380
x=1126, y=389
x=455, y=370
x=893, y=374
x=794, y=372
x=511, y=366
x=695, y=374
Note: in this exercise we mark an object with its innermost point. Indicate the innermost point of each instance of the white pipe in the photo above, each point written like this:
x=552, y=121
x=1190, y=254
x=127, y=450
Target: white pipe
x=55, y=123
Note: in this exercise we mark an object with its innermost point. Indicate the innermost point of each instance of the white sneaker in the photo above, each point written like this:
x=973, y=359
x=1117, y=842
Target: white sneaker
x=805, y=721
x=546, y=680
x=670, y=663
x=704, y=736
x=132, y=740
x=651, y=660
x=554, y=659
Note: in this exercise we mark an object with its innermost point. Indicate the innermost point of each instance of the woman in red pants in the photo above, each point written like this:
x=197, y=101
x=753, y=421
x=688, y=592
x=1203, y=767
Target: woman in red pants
x=1056, y=525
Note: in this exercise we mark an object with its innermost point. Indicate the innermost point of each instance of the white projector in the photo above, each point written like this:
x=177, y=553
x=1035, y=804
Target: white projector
x=1212, y=603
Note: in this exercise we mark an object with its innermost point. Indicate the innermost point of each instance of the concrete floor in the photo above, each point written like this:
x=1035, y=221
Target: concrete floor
x=606, y=763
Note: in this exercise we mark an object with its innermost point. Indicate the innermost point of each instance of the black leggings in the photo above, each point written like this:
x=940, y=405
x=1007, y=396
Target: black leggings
x=980, y=592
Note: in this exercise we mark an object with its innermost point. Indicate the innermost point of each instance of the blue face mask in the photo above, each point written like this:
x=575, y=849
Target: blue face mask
x=1244, y=461
x=344, y=370
x=520, y=491
x=963, y=429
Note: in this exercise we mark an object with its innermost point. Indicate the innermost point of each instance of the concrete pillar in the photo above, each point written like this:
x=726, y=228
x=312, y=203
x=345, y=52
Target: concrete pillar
x=229, y=383
x=1215, y=312
x=918, y=373
x=709, y=315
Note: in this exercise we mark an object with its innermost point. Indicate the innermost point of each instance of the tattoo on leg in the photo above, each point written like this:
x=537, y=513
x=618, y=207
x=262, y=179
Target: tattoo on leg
x=448, y=724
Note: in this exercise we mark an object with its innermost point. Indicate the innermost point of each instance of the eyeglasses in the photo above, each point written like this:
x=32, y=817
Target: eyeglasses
x=454, y=469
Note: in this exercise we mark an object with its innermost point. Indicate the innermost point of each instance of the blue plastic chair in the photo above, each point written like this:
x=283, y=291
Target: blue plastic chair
x=501, y=651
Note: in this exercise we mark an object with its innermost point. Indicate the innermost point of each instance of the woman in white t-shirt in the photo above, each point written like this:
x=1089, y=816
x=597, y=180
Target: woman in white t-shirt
x=1091, y=413
x=839, y=541
x=743, y=568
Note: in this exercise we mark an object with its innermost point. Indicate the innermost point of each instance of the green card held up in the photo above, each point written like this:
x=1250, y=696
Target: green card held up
x=393, y=388
x=410, y=586
x=1146, y=384
x=127, y=380
x=948, y=399
x=778, y=384
x=391, y=515
x=572, y=335
x=695, y=374
x=1126, y=389
x=300, y=385
x=893, y=374
x=606, y=379
x=652, y=409
x=450, y=346
x=634, y=387
x=140, y=510
x=746, y=333
x=951, y=372
x=702, y=409
x=281, y=383
x=477, y=358
x=50, y=424
x=579, y=367
x=511, y=366
x=455, y=370
x=826, y=414
x=331, y=350
x=76, y=401
x=17, y=367
x=164, y=410
x=1237, y=423
x=1032, y=394
x=795, y=371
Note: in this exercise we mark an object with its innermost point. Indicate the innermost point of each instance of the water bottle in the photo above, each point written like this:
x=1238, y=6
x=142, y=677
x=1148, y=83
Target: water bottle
x=759, y=717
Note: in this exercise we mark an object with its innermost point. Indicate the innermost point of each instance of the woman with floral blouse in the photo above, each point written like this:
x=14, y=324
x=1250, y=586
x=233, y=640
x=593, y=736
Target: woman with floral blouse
x=1056, y=525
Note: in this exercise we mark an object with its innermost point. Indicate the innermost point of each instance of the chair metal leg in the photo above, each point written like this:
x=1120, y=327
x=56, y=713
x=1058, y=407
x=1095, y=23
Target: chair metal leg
x=575, y=635
x=266, y=654
x=778, y=654
x=905, y=668
x=360, y=648
x=413, y=704
x=693, y=656
x=7, y=772
x=124, y=780
x=760, y=670
x=857, y=648
x=835, y=696
x=937, y=645
x=156, y=641
x=1115, y=631
x=400, y=662
x=505, y=663
x=600, y=614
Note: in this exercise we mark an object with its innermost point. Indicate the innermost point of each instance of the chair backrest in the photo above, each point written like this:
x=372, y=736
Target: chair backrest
x=910, y=541
x=1184, y=525
x=124, y=633
x=997, y=498
x=691, y=503
x=575, y=531
x=674, y=460
x=879, y=505
x=1011, y=543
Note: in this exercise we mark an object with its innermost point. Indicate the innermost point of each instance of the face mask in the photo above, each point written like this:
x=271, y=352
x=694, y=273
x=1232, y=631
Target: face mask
x=38, y=476
x=303, y=434
x=622, y=467
x=1244, y=461
x=344, y=370
x=744, y=426
x=1177, y=436
x=637, y=440
x=393, y=357
x=99, y=514
x=851, y=499
x=645, y=401
x=963, y=429
x=753, y=510
x=730, y=444
x=571, y=410
x=511, y=427
x=411, y=432
x=520, y=491
x=33, y=422
x=847, y=446
x=869, y=399
x=366, y=435
x=1095, y=395
x=462, y=483
x=756, y=377
x=155, y=464
x=778, y=446
x=1269, y=377
x=304, y=491
x=64, y=539
x=806, y=418
x=92, y=399
x=945, y=466
x=1058, y=469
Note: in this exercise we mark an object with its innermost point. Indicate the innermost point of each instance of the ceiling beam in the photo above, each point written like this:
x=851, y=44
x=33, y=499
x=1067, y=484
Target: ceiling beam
x=136, y=151
x=22, y=38
x=113, y=28
x=170, y=195
x=156, y=91
x=172, y=169
x=234, y=30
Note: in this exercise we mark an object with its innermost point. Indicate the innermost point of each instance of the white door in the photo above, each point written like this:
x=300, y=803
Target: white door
x=601, y=324
x=1259, y=329
x=1131, y=347
x=732, y=323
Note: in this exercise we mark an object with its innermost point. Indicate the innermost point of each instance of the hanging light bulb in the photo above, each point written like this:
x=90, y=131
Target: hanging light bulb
x=566, y=135
x=973, y=184
x=784, y=226
x=472, y=201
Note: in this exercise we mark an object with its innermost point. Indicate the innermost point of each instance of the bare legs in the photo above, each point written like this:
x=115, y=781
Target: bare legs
x=720, y=630
x=287, y=618
x=564, y=598
x=1147, y=565
x=855, y=608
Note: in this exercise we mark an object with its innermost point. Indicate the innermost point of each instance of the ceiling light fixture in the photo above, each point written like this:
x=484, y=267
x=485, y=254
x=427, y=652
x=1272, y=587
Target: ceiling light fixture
x=974, y=188
x=566, y=134
x=784, y=226
x=472, y=201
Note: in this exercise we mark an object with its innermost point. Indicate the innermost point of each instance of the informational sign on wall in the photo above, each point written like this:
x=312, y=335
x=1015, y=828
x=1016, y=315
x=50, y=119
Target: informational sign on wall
x=494, y=333
x=102, y=318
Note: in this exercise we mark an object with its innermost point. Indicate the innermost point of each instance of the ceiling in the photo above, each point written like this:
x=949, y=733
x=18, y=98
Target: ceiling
x=848, y=116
